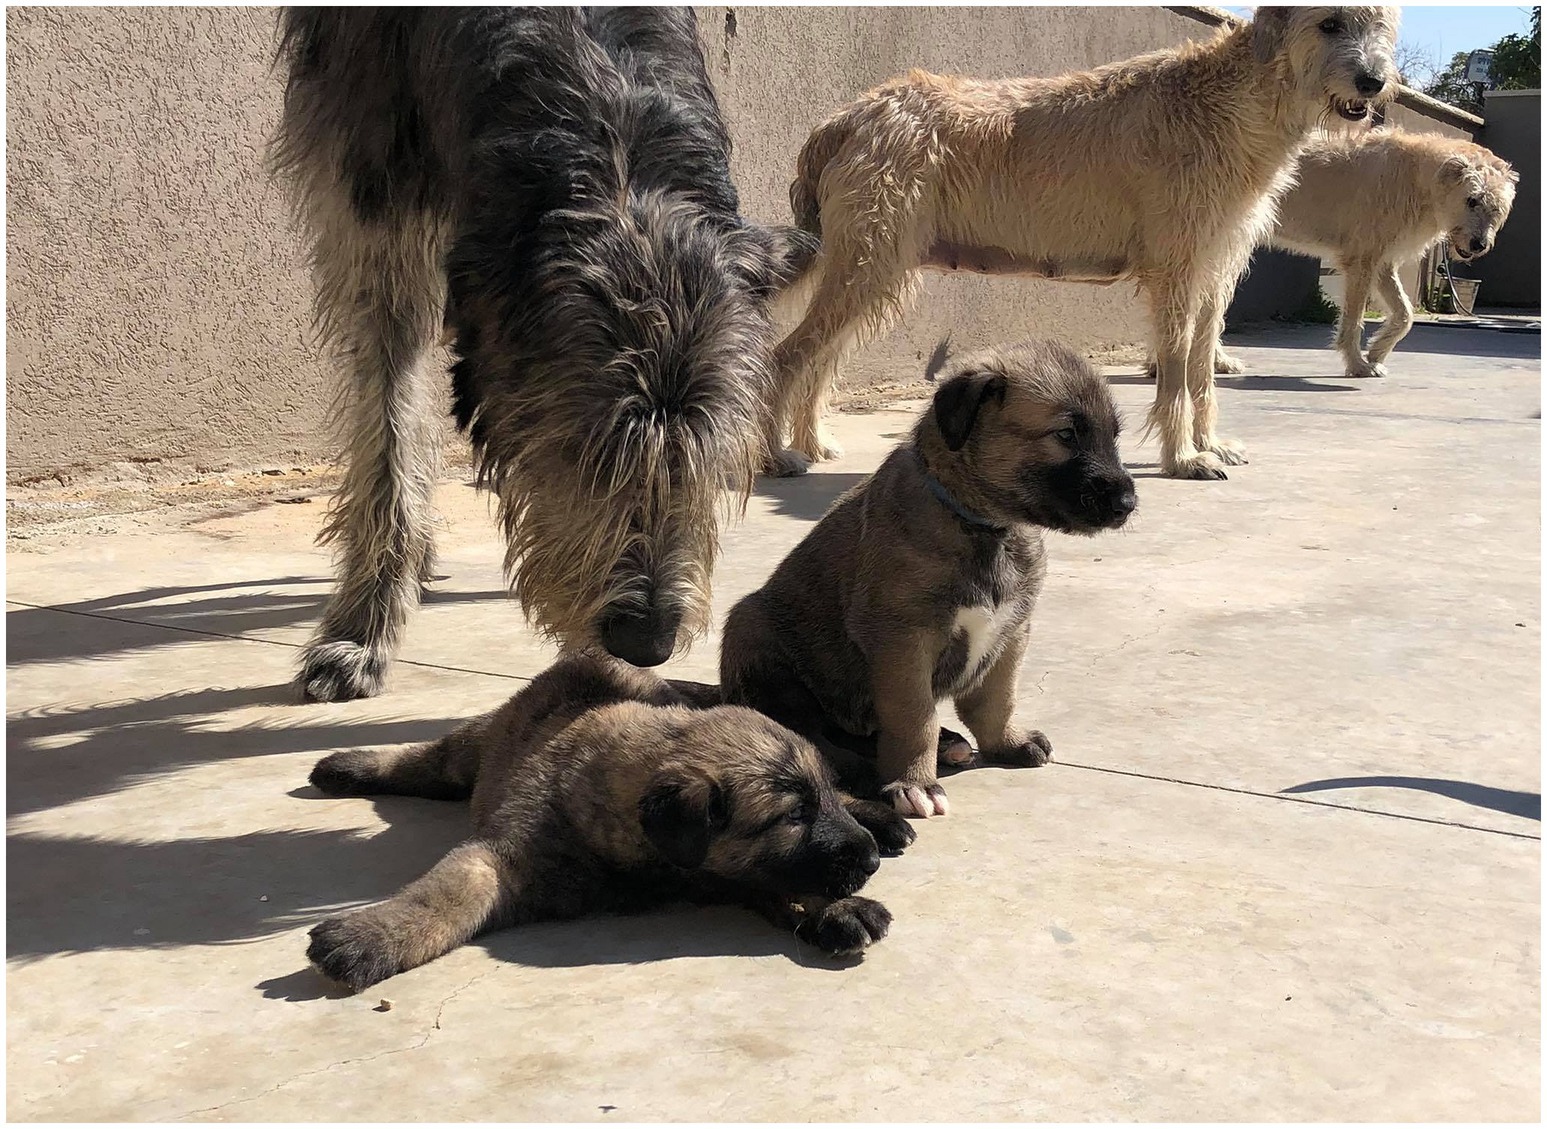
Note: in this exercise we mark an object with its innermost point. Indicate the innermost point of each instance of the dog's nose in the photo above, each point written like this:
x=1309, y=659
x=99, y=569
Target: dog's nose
x=1479, y=246
x=644, y=637
x=1368, y=84
x=871, y=862
x=1125, y=502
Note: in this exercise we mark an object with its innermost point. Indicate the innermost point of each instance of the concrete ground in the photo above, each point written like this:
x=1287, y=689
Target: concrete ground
x=1286, y=866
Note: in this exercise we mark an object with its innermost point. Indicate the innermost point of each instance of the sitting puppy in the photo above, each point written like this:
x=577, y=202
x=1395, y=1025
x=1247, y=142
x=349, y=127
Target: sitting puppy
x=919, y=583
x=600, y=787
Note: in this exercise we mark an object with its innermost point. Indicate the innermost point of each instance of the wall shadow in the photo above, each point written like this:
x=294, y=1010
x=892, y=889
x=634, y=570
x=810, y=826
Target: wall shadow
x=1527, y=805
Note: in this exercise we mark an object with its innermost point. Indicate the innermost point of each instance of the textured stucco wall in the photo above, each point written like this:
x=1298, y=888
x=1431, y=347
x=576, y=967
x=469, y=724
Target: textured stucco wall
x=157, y=306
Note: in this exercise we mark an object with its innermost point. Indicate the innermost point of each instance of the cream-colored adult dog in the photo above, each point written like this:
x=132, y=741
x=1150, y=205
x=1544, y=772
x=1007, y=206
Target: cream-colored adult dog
x=1374, y=201
x=1162, y=170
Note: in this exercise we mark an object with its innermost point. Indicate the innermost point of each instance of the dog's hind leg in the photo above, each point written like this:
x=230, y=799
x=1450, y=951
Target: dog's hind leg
x=470, y=891
x=1357, y=277
x=1399, y=316
x=1201, y=363
x=1173, y=306
x=436, y=770
x=381, y=292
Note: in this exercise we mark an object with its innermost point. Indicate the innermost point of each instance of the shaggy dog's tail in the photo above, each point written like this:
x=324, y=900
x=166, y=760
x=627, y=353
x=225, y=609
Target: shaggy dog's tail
x=815, y=155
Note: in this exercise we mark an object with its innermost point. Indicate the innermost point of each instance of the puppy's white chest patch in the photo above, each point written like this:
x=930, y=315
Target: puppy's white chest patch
x=982, y=626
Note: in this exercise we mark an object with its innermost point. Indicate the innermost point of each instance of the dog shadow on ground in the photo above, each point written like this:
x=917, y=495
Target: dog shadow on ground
x=32, y=634
x=808, y=496
x=1249, y=383
x=1527, y=805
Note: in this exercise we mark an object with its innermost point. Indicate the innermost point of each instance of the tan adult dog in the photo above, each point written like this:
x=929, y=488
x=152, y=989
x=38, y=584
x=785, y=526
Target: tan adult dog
x=919, y=583
x=1374, y=201
x=1161, y=170
x=602, y=787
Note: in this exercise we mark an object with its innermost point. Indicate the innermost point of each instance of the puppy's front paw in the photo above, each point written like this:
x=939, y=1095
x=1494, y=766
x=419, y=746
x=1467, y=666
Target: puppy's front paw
x=339, y=670
x=1204, y=467
x=847, y=926
x=1033, y=752
x=1365, y=369
x=352, y=950
x=1224, y=362
x=892, y=832
x=922, y=800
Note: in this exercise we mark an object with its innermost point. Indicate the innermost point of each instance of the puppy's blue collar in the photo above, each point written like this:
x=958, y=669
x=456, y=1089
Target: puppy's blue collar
x=948, y=500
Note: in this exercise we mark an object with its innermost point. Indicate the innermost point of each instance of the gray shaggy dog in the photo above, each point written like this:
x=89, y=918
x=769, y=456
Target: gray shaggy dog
x=552, y=187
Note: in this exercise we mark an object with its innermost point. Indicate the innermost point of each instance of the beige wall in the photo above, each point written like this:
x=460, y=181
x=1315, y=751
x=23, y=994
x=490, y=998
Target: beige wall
x=157, y=307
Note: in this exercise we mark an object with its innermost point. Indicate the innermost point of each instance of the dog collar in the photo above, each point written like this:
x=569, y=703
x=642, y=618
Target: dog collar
x=948, y=500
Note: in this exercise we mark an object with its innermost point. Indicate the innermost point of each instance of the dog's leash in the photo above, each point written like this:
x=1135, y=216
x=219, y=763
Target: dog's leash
x=948, y=500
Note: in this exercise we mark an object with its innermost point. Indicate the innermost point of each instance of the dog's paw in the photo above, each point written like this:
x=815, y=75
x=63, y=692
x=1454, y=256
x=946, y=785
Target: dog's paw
x=786, y=463
x=1032, y=752
x=1228, y=451
x=339, y=670
x=1366, y=369
x=922, y=800
x=847, y=926
x=820, y=450
x=348, y=773
x=1225, y=363
x=352, y=950
x=953, y=749
x=1204, y=466
x=886, y=824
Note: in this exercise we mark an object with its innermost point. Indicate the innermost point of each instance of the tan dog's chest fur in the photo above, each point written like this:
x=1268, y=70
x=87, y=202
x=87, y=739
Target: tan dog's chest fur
x=919, y=584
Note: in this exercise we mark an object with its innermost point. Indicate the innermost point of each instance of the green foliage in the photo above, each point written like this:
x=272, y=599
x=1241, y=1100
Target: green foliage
x=1316, y=310
x=1517, y=65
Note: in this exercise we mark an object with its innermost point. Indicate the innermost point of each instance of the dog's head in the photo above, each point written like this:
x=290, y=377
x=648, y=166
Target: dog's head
x=1029, y=434
x=746, y=799
x=1477, y=191
x=613, y=408
x=1341, y=60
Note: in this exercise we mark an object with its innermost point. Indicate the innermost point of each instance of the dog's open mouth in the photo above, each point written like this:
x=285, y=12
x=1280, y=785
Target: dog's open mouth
x=1351, y=111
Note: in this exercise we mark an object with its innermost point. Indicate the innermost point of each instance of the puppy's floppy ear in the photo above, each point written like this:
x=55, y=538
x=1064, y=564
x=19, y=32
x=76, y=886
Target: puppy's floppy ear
x=1268, y=28
x=959, y=401
x=773, y=257
x=680, y=814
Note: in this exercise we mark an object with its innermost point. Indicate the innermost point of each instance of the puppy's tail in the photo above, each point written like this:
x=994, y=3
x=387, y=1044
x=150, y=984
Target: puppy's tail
x=436, y=770
x=815, y=155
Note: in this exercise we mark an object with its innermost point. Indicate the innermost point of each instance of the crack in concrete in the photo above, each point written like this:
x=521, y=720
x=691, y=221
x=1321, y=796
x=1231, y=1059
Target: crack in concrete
x=282, y=1083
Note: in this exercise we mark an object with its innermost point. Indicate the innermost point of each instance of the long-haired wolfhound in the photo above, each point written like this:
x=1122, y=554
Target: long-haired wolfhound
x=1162, y=170
x=1375, y=201
x=552, y=185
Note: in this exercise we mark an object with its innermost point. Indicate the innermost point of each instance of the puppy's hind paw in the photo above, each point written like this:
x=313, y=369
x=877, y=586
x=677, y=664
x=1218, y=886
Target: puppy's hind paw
x=847, y=927
x=1033, y=752
x=953, y=749
x=922, y=800
x=1224, y=362
x=1203, y=466
x=1365, y=369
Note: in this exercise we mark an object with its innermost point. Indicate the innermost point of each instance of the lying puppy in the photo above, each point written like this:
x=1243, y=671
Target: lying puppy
x=919, y=583
x=600, y=787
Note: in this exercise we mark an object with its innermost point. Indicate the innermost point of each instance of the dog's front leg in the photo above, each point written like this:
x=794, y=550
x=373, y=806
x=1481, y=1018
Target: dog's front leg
x=842, y=927
x=909, y=737
x=469, y=892
x=988, y=707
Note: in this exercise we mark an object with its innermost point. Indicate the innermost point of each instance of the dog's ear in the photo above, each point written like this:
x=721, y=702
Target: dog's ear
x=681, y=814
x=1269, y=26
x=1454, y=169
x=959, y=401
x=771, y=258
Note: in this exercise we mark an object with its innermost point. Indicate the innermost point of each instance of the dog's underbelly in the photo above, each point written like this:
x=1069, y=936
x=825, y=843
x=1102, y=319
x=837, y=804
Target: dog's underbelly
x=948, y=255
